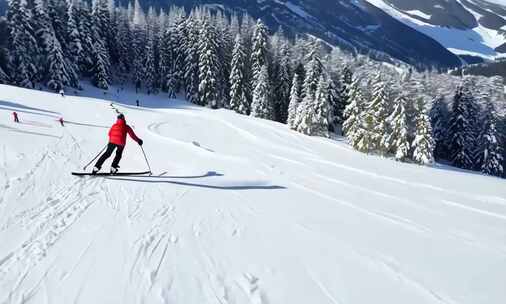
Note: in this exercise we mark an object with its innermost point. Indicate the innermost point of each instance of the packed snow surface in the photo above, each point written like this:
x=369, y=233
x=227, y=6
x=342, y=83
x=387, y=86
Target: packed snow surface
x=239, y=210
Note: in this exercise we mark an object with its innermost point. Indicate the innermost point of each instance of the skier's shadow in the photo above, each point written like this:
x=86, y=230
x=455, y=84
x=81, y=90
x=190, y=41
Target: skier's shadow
x=164, y=180
x=208, y=174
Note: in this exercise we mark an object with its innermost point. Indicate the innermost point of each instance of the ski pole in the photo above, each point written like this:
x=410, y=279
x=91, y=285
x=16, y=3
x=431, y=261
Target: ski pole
x=147, y=162
x=95, y=158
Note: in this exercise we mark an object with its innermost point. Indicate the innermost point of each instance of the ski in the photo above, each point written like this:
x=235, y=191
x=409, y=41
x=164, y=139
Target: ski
x=109, y=174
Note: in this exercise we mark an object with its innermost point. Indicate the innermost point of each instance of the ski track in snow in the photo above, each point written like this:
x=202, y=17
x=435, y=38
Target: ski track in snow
x=163, y=239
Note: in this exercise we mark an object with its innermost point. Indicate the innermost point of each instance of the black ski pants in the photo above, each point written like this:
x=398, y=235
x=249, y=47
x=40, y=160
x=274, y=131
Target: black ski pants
x=108, y=153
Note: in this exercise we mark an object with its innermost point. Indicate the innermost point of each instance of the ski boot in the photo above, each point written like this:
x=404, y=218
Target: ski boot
x=114, y=170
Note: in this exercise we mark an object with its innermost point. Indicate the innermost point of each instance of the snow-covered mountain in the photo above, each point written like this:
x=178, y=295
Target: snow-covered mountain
x=465, y=27
x=350, y=24
x=420, y=32
x=247, y=211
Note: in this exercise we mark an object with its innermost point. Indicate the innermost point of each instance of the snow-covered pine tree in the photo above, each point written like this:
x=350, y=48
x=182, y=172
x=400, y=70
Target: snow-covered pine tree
x=103, y=25
x=23, y=45
x=352, y=113
x=337, y=104
x=84, y=21
x=100, y=74
x=397, y=141
x=179, y=39
x=261, y=106
x=490, y=156
x=75, y=45
x=149, y=64
x=166, y=62
x=439, y=122
x=191, y=60
x=4, y=78
x=238, y=101
x=123, y=42
x=376, y=114
x=295, y=99
x=57, y=73
x=58, y=12
x=259, y=55
x=225, y=42
x=423, y=144
x=138, y=44
x=315, y=116
x=460, y=132
x=208, y=66
x=43, y=33
x=314, y=71
x=283, y=82
x=346, y=82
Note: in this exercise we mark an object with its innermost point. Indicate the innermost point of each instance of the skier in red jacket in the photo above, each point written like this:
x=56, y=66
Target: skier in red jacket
x=117, y=140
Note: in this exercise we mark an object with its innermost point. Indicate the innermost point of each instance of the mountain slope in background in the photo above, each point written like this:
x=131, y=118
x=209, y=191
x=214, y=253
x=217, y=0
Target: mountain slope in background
x=355, y=25
x=465, y=27
x=247, y=211
x=419, y=32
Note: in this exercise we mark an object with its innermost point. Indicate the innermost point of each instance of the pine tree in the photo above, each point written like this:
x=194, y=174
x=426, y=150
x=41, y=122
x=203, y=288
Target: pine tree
x=439, y=123
x=166, y=62
x=123, y=39
x=314, y=71
x=191, y=62
x=138, y=43
x=261, y=106
x=58, y=12
x=208, y=66
x=103, y=24
x=337, y=104
x=295, y=99
x=375, y=116
x=84, y=21
x=177, y=53
x=100, y=76
x=259, y=55
x=397, y=140
x=57, y=73
x=238, y=101
x=43, y=34
x=315, y=115
x=353, y=112
x=423, y=143
x=225, y=42
x=75, y=45
x=149, y=64
x=283, y=83
x=490, y=157
x=23, y=45
x=460, y=131
x=346, y=82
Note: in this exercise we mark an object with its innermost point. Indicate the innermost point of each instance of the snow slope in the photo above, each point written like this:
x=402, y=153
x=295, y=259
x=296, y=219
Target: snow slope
x=478, y=41
x=247, y=212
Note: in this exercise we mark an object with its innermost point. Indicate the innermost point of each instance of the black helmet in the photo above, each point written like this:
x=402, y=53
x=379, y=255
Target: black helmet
x=121, y=116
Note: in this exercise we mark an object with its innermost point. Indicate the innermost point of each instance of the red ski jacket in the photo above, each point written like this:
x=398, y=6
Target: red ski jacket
x=118, y=133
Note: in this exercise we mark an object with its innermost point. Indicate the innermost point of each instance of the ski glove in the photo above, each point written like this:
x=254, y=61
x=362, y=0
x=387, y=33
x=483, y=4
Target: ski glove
x=140, y=142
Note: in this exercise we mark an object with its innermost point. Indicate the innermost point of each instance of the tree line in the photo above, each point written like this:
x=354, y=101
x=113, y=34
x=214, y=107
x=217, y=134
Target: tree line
x=232, y=61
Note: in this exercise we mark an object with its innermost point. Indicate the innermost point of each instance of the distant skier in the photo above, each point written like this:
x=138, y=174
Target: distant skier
x=137, y=102
x=16, y=118
x=117, y=140
x=61, y=122
x=62, y=93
